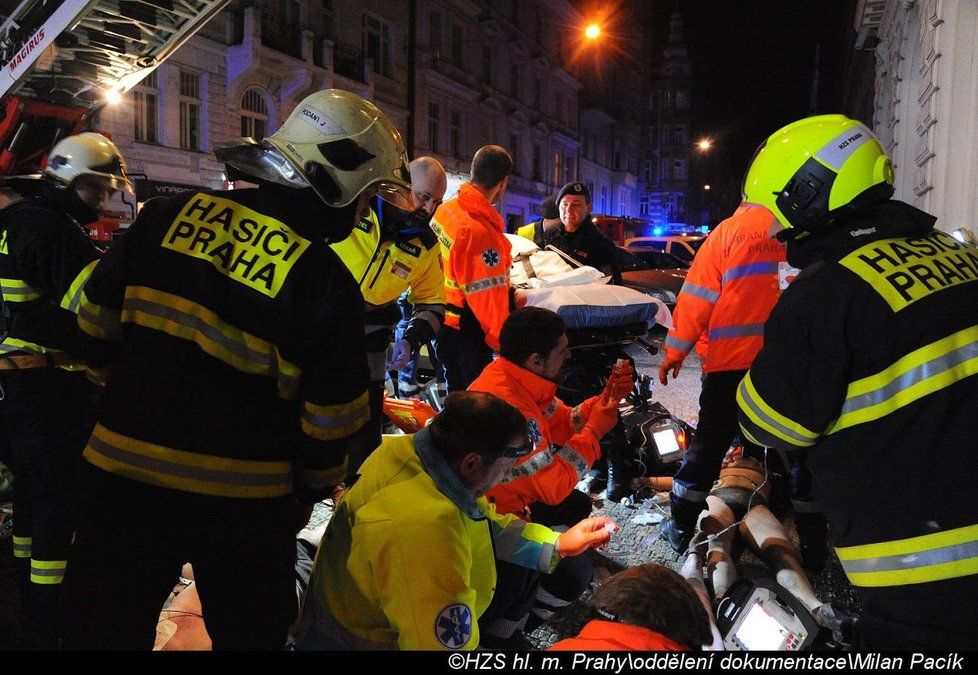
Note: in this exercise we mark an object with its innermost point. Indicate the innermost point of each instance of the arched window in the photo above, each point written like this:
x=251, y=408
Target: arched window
x=254, y=115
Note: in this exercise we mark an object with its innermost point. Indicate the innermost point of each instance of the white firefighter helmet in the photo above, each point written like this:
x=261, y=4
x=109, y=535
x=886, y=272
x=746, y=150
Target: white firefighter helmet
x=335, y=142
x=87, y=154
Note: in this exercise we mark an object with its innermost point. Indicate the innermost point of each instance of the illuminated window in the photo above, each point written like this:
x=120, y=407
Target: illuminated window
x=254, y=115
x=145, y=102
x=190, y=111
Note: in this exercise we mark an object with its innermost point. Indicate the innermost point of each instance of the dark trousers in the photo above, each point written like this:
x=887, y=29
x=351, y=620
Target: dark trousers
x=131, y=542
x=715, y=432
x=464, y=354
x=367, y=438
x=48, y=416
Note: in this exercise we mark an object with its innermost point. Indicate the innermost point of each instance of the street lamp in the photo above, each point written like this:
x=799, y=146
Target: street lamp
x=592, y=32
x=706, y=187
x=704, y=145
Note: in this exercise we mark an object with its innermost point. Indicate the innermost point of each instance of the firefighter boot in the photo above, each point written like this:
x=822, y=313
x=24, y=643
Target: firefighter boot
x=678, y=530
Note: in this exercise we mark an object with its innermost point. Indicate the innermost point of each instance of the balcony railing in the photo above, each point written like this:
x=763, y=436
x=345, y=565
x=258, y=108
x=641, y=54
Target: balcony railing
x=349, y=61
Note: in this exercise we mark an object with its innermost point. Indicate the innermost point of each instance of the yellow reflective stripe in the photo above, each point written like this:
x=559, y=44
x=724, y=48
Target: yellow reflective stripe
x=769, y=420
x=330, y=422
x=17, y=290
x=72, y=298
x=13, y=345
x=187, y=471
x=920, y=373
x=48, y=571
x=187, y=320
x=439, y=231
x=749, y=437
x=103, y=323
x=929, y=557
x=22, y=547
x=320, y=479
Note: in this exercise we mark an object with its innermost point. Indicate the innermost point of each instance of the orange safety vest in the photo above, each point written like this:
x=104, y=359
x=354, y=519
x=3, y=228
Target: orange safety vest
x=476, y=260
x=611, y=636
x=729, y=292
x=564, y=449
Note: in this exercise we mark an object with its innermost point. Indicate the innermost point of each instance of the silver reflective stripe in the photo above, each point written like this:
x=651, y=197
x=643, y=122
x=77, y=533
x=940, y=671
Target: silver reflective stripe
x=109, y=323
x=22, y=549
x=575, y=460
x=577, y=420
x=743, y=330
x=436, y=307
x=699, y=292
x=749, y=270
x=774, y=424
x=550, y=599
x=913, y=376
x=485, y=284
x=15, y=290
x=433, y=319
x=322, y=422
x=164, y=467
x=681, y=345
x=908, y=561
x=806, y=506
x=202, y=327
x=839, y=149
x=508, y=539
x=530, y=467
x=689, y=494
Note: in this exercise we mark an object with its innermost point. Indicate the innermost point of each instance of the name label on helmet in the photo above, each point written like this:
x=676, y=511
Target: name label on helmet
x=247, y=246
x=318, y=119
x=904, y=271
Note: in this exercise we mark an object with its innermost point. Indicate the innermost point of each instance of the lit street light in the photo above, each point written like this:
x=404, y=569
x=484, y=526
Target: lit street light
x=592, y=32
x=706, y=187
x=112, y=96
x=704, y=145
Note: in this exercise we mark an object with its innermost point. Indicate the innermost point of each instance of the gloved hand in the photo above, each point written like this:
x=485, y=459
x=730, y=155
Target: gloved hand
x=400, y=356
x=587, y=534
x=621, y=382
x=604, y=415
x=673, y=364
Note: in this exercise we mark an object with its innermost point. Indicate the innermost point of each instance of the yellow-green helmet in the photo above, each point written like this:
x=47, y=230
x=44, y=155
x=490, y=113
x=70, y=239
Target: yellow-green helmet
x=815, y=169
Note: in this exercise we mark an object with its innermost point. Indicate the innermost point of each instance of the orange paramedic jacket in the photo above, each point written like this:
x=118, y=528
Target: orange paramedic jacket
x=564, y=448
x=476, y=260
x=729, y=292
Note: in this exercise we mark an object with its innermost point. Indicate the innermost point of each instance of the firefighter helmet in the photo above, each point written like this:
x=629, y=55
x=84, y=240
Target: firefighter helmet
x=335, y=142
x=87, y=154
x=815, y=169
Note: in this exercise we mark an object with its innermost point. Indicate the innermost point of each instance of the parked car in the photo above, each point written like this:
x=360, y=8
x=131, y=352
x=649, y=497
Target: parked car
x=653, y=272
x=683, y=246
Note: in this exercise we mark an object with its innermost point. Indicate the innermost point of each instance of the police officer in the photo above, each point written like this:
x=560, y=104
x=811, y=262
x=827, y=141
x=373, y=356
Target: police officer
x=869, y=361
x=389, y=252
x=45, y=260
x=577, y=236
x=236, y=337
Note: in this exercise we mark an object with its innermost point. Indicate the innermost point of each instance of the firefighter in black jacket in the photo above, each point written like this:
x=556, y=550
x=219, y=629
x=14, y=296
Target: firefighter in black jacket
x=45, y=260
x=869, y=360
x=235, y=338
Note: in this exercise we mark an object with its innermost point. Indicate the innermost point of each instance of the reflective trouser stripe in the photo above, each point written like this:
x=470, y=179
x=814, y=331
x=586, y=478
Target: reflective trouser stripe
x=184, y=319
x=22, y=547
x=930, y=557
x=72, y=298
x=689, y=494
x=16, y=290
x=331, y=422
x=701, y=292
x=749, y=270
x=920, y=373
x=48, y=571
x=769, y=420
x=681, y=345
x=187, y=471
x=579, y=463
x=742, y=330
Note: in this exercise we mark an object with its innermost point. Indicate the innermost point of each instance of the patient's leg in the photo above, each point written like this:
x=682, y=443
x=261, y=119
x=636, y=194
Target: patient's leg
x=719, y=563
x=766, y=534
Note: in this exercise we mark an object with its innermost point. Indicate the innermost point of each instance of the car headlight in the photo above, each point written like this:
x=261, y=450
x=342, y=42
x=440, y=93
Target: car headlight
x=663, y=295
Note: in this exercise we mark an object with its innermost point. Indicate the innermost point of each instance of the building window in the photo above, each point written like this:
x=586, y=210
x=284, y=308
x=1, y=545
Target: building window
x=456, y=129
x=622, y=202
x=682, y=99
x=570, y=167
x=434, y=120
x=377, y=43
x=458, y=45
x=605, y=207
x=643, y=205
x=514, y=147
x=434, y=35
x=189, y=111
x=328, y=23
x=487, y=65
x=666, y=172
x=590, y=189
x=254, y=115
x=616, y=156
x=650, y=171
x=514, y=81
x=679, y=169
x=537, y=172
x=537, y=91
x=558, y=169
x=145, y=98
x=680, y=135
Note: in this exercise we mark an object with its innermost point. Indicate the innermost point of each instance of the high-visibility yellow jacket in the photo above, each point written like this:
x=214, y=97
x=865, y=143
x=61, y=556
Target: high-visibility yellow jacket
x=408, y=559
x=237, y=340
x=870, y=361
x=564, y=450
x=476, y=258
x=729, y=292
x=385, y=266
